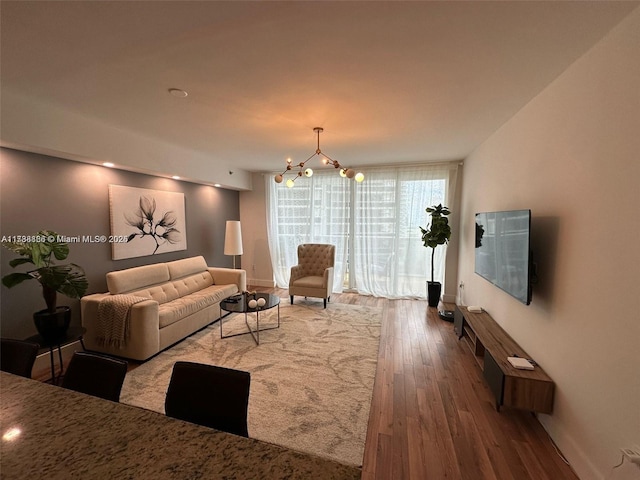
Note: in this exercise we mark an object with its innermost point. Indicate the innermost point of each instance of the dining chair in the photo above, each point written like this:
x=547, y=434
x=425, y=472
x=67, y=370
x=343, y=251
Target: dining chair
x=209, y=395
x=96, y=375
x=17, y=356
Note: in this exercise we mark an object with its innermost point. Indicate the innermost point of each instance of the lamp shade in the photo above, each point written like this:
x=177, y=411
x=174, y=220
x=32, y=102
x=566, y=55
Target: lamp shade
x=233, y=238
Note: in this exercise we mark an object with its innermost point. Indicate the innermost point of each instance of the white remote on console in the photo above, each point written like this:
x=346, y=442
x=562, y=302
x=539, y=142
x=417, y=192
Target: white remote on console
x=474, y=309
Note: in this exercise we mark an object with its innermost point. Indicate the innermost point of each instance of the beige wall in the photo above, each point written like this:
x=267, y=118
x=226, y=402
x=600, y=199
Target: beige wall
x=256, y=259
x=571, y=156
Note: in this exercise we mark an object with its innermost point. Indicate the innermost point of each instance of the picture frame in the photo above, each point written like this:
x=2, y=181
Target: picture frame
x=146, y=222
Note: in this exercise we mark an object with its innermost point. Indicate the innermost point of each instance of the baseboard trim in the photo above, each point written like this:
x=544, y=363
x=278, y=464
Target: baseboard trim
x=578, y=461
x=449, y=298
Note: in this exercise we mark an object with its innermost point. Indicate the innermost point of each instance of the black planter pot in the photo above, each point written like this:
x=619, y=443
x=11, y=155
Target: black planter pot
x=434, y=289
x=52, y=326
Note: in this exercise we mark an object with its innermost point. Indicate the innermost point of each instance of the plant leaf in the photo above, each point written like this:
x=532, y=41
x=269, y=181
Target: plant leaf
x=75, y=284
x=60, y=250
x=19, y=261
x=37, y=255
x=53, y=276
x=14, y=279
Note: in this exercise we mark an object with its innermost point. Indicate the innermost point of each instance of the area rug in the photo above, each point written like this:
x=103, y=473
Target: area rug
x=311, y=379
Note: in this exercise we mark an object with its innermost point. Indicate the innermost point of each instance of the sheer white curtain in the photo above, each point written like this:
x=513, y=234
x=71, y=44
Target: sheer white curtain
x=315, y=210
x=374, y=226
x=389, y=258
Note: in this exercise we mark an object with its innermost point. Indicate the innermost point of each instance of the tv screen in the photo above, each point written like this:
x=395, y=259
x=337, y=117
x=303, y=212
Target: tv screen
x=503, y=254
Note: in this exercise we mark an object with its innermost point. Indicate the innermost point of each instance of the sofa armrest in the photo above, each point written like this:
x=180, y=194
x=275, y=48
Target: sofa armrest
x=227, y=276
x=144, y=328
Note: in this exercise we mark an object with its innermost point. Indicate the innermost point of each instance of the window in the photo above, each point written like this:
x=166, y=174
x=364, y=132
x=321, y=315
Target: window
x=374, y=226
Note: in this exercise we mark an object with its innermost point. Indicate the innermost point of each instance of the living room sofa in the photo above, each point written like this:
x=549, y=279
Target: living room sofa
x=169, y=301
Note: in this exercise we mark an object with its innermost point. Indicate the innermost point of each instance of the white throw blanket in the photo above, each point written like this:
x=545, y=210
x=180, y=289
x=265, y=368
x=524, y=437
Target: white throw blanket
x=114, y=313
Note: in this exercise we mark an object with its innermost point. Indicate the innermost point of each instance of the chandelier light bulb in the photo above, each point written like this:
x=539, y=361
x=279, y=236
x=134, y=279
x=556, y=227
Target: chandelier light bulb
x=308, y=172
x=359, y=177
x=278, y=178
x=343, y=173
x=289, y=160
x=289, y=183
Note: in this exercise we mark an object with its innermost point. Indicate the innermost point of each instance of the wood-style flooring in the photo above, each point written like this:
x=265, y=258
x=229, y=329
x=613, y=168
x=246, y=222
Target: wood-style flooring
x=433, y=416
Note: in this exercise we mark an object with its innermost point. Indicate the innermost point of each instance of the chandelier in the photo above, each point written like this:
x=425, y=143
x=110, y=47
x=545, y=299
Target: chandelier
x=308, y=172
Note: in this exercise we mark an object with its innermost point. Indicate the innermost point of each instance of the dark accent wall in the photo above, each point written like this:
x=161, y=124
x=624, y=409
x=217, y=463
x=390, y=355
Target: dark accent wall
x=39, y=192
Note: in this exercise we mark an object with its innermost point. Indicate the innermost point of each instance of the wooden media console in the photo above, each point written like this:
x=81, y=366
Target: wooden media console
x=525, y=389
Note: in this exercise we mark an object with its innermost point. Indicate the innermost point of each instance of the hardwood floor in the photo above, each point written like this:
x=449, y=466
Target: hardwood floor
x=433, y=416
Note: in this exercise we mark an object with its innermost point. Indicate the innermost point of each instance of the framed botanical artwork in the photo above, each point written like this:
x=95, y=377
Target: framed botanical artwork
x=146, y=222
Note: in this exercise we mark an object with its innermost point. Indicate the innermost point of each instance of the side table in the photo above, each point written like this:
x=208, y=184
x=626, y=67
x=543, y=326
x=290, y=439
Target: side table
x=72, y=334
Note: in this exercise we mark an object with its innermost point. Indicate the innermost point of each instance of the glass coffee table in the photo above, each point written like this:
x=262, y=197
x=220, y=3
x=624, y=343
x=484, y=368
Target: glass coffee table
x=239, y=304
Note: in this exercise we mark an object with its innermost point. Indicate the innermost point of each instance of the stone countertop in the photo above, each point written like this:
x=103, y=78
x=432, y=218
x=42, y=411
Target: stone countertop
x=67, y=435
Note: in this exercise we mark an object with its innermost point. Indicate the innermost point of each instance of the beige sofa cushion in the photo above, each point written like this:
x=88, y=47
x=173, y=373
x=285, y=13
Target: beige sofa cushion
x=193, y=283
x=171, y=291
x=186, y=266
x=124, y=281
x=148, y=277
x=184, y=306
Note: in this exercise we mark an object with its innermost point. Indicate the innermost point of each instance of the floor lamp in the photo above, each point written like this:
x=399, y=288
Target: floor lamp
x=233, y=240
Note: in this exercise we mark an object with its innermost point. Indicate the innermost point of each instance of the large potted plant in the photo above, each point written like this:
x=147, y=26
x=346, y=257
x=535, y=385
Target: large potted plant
x=70, y=280
x=437, y=233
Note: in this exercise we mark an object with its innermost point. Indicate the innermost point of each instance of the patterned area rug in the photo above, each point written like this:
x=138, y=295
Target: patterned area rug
x=311, y=379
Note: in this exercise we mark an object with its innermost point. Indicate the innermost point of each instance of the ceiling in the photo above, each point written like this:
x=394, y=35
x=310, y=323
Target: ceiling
x=390, y=82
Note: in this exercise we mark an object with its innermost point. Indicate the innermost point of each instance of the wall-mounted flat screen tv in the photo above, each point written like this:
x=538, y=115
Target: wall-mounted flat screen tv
x=503, y=253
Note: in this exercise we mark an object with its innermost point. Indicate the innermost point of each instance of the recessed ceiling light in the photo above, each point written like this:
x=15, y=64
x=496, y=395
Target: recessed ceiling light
x=175, y=177
x=176, y=92
x=217, y=185
x=108, y=164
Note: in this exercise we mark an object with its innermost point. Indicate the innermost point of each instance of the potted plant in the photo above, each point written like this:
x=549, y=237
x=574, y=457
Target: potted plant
x=69, y=279
x=437, y=233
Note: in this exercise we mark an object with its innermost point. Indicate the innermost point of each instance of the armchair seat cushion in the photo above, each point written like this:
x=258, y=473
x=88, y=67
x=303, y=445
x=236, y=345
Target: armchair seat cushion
x=309, y=282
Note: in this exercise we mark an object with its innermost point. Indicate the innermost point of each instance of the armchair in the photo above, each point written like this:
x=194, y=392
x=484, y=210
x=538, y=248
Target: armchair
x=313, y=276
